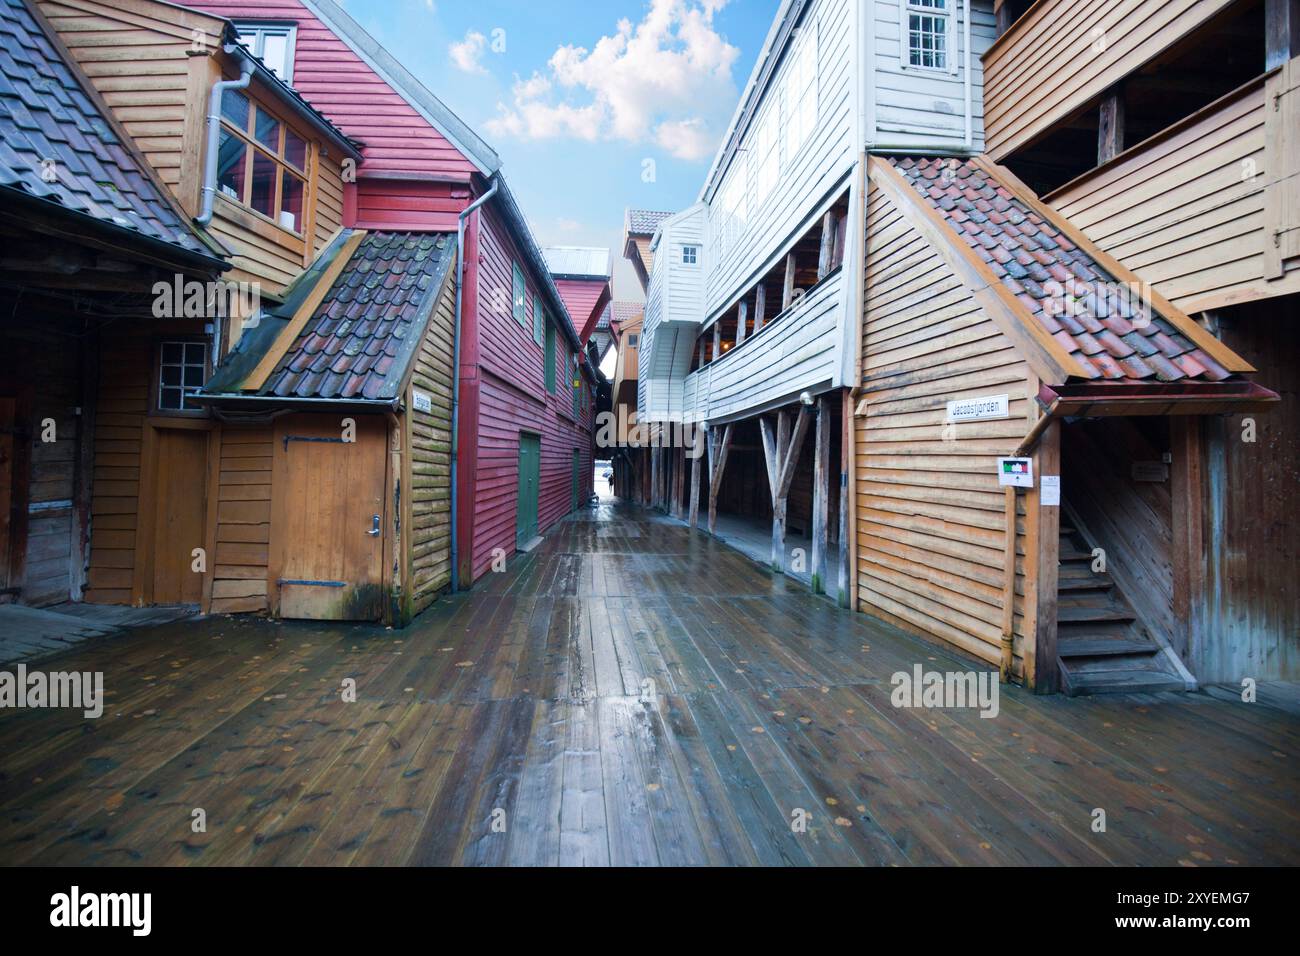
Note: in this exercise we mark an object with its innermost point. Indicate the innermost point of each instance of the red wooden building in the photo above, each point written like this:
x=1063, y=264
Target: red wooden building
x=522, y=452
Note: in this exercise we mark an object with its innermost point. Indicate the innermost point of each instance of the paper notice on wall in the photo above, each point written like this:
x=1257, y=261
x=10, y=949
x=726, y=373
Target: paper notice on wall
x=1049, y=491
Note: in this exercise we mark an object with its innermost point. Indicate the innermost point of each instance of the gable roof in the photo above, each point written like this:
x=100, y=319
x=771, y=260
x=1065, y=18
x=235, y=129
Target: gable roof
x=643, y=222
x=1061, y=313
x=362, y=334
x=48, y=112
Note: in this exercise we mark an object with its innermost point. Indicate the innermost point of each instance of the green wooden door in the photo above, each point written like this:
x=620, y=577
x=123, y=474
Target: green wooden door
x=577, y=474
x=530, y=473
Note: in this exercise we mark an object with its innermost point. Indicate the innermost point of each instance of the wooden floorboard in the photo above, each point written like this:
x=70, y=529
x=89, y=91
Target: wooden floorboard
x=628, y=693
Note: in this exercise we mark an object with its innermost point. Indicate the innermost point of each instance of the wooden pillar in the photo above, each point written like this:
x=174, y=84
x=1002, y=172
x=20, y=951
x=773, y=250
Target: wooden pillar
x=1002, y=16
x=679, y=480
x=781, y=451
x=1046, y=543
x=847, y=583
x=694, y=509
x=760, y=307
x=717, y=339
x=1281, y=31
x=718, y=448
x=787, y=290
x=654, y=477
x=821, y=495
x=1187, y=495
x=827, y=251
x=742, y=320
x=1110, y=125
x=700, y=363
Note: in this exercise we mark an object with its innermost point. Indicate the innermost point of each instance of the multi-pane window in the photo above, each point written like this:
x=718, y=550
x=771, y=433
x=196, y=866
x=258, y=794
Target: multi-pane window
x=261, y=162
x=800, y=90
x=550, y=357
x=577, y=388
x=928, y=23
x=182, y=370
x=520, y=296
x=733, y=204
x=539, y=320
x=767, y=152
x=690, y=255
x=272, y=43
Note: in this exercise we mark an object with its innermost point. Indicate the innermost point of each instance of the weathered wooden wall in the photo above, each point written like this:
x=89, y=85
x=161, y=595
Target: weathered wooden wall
x=1187, y=209
x=931, y=517
x=429, y=448
x=242, y=532
x=1064, y=53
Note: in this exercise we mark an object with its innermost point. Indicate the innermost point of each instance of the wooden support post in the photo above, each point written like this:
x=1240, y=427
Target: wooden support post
x=679, y=480
x=742, y=320
x=847, y=584
x=1187, y=494
x=694, y=509
x=1281, y=31
x=782, y=454
x=1110, y=125
x=654, y=477
x=1047, y=461
x=821, y=495
x=717, y=340
x=700, y=363
x=718, y=449
x=760, y=307
x=1002, y=16
x=787, y=291
x=827, y=251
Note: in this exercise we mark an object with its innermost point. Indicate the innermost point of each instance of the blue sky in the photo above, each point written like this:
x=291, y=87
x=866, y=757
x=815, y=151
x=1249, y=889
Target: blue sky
x=580, y=98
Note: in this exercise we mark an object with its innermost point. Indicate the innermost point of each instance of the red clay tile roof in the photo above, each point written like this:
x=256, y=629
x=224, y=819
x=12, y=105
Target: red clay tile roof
x=50, y=127
x=1094, y=316
x=360, y=339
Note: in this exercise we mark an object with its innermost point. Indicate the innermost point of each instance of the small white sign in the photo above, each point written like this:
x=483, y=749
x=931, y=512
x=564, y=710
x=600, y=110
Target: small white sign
x=1049, y=491
x=422, y=401
x=978, y=409
x=1016, y=472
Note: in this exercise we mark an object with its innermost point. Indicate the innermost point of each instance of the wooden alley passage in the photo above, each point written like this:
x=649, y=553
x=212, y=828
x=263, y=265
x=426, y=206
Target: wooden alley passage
x=524, y=697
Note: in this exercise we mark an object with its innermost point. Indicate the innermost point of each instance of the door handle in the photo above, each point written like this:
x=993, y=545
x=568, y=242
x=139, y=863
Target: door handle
x=374, y=526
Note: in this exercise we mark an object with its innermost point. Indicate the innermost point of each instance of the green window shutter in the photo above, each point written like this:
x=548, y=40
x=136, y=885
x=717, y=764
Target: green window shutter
x=577, y=387
x=550, y=357
x=520, y=296
x=539, y=321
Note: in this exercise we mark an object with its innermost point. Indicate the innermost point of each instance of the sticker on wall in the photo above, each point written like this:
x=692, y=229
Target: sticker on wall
x=422, y=401
x=1016, y=472
x=979, y=409
x=1049, y=491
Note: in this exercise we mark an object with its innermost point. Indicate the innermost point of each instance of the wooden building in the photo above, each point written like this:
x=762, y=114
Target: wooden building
x=627, y=457
x=89, y=231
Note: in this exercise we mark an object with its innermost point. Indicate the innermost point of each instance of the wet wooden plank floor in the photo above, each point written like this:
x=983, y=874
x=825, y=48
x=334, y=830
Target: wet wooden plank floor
x=628, y=694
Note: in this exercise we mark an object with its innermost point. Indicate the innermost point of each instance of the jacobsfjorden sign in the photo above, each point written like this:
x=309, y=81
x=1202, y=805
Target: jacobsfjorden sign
x=978, y=409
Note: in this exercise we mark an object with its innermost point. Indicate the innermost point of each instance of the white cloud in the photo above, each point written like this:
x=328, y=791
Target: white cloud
x=666, y=80
x=467, y=54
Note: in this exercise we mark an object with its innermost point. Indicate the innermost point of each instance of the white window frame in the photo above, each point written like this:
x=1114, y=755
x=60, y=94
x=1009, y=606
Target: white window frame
x=800, y=92
x=946, y=11
x=253, y=34
x=691, y=250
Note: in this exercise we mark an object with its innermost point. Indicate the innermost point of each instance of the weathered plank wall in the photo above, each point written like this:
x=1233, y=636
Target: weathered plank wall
x=429, y=446
x=1064, y=53
x=1186, y=210
x=243, y=528
x=931, y=517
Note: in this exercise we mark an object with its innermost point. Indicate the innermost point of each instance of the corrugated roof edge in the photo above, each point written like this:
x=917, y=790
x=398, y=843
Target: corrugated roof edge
x=451, y=126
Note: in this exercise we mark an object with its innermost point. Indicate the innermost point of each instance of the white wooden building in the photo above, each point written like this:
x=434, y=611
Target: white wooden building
x=751, y=322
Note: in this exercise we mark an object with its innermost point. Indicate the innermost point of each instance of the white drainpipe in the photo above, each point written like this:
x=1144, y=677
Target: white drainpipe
x=214, y=132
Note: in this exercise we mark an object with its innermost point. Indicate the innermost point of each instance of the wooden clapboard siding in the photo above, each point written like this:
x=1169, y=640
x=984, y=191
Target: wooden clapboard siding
x=243, y=520
x=402, y=204
x=1186, y=210
x=429, y=449
x=931, y=517
x=126, y=365
x=674, y=310
x=926, y=108
x=1063, y=53
x=798, y=350
x=135, y=53
x=824, y=159
x=343, y=86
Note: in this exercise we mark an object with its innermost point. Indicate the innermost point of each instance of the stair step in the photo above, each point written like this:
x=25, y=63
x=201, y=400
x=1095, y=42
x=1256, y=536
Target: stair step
x=1081, y=613
x=1137, y=681
x=1086, y=646
x=1085, y=582
x=1072, y=555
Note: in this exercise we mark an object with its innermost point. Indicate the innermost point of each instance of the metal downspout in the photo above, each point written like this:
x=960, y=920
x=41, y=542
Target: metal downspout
x=219, y=88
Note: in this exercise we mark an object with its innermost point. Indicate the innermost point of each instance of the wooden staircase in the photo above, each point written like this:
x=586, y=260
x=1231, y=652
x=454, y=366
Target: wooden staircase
x=1102, y=646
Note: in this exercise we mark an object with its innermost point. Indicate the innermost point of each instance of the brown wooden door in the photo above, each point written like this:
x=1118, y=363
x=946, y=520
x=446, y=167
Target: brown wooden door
x=6, y=484
x=327, y=520
x=181, y=470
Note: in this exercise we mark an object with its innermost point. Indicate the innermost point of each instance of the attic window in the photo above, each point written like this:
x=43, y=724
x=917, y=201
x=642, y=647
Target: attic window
x=272, y=43
x=690, y=255
x=261, y=162
x=928, y=26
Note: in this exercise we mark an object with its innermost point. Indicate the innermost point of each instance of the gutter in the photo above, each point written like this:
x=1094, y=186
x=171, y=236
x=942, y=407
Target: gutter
x=209, y=191
x=455, y=377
